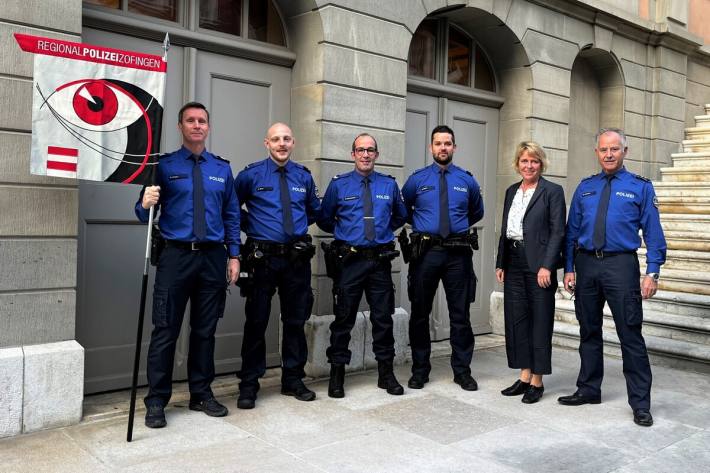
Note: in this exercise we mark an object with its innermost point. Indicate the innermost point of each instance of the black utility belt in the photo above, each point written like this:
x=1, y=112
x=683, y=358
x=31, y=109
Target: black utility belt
x=272, y=248
x=368, y=252
x=193, y=245
x=451, y=241
x=515, y=243
x=601, y=254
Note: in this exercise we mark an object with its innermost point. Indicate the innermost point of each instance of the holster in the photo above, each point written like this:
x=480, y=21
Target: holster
x=473, y=239
x=333, y=266
x=302, y=250
x=157, y=245
x=405, y=245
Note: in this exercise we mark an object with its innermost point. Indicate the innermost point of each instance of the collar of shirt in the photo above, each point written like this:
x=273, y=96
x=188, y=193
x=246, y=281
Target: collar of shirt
x=272, y=167
x=187, y=154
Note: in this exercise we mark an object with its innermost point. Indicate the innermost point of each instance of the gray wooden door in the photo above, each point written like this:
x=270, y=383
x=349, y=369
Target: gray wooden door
x=476, y=131
x=243, y=97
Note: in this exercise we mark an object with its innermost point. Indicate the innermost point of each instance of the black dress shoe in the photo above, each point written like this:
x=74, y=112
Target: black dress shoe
x=417, y=382
x=246, y=400
x=299, y=391
x=643, y=417
x=336, y=383
x=155, y=417
x=466, y=382
x=516, y=389
x=578, y=399
x=533, y=394
x=210, y=407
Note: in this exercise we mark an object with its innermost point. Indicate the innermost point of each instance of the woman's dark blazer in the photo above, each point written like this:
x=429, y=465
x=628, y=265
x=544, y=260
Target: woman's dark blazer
x=543, y=226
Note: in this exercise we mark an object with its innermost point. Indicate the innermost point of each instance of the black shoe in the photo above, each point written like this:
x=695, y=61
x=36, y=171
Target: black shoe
x=155, y=417
x=210, y=407
x=337, y=380
x=533, y=394
x=417, y=382
x=516, y=389
x=298, y=390
x=643, y=417
x=387, y=380
x=578, y=399
x=246, y=400
x=466, y=382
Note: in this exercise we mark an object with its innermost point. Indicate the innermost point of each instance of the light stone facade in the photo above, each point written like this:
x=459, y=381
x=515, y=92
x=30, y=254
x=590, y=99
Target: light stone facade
x=563, y=68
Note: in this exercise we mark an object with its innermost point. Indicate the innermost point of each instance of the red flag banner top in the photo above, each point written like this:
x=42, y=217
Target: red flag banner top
x=96, y=111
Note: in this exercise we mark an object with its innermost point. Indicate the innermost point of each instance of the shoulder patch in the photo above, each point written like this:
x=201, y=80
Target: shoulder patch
x=221, y=158
x=638, y=176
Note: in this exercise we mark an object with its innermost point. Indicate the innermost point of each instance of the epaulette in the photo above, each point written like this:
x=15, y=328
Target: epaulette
x=588, y=177
x=164, y=155
x=336, y=177
x=638, y=176
x=255, y=163
x=301, y=166
x=419, y=170
x=468, y=172
x=389, y=175
x=221, y=158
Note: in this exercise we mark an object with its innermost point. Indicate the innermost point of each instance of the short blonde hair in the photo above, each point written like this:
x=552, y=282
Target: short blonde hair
x=534, y=150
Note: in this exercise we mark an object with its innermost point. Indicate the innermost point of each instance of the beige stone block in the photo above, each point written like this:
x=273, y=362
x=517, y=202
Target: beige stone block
x=671, y=60
x=38, y=211
x=407, y=12
x=37, y=317
x=338, y=139
x=668, y=106
x=634, y=124
x=53, y=385
x=661, y=152
x=669, y=82
x=358, y=107
x=603, y=38
x=64, y=15
x=515, y=85
x=307, y=105
x=548, y=49
x=11, y=366
x=668, y=129
x=629, y=49
x=511, y=132
x=433, y=5
x=611, y=107
x=550, y=78
x=558, y=162
x=634, y=74
x=350, y=68
x=635, y=100
x=548, y=106
x=15, y=161
x=526, y=17
x=14, y=61
x=699, y=73
x=365, y=33
x=37, y=264
x=697, y=93
x=638, y=148
x=549, y=134
x=306, y=38
x=16, y=103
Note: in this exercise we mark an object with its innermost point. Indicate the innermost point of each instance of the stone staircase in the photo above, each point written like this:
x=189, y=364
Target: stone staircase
x=677, y=319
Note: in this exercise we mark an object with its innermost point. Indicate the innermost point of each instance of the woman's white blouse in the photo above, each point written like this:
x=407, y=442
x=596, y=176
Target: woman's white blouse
x=517, y=212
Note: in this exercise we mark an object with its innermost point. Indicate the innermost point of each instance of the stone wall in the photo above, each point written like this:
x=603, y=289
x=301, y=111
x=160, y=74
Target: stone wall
x=40, y=363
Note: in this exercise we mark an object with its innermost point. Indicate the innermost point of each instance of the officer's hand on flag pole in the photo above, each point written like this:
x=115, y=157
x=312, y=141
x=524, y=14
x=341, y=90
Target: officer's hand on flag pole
x=150, y=196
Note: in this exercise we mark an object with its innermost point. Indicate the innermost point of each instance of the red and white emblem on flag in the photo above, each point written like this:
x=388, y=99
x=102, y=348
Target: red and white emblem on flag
x=62, y=162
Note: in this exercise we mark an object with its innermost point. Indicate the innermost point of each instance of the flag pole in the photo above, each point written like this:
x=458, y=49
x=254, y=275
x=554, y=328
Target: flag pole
x=144, y=292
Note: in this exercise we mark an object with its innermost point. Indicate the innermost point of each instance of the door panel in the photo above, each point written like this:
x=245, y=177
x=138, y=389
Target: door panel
x=243, y=97
x=476, y=130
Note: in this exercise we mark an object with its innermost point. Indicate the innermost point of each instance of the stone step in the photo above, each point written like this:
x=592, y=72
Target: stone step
x=682, y=189
x=697, y=133
x=686, y=174
x=696, y=145
x=707, y=108
x=684, y=280
x=662, y=351
x=698, y=159
x=678, y=207
x=680, y=303
x=685, y=328
x=682, y=259
x=702, y=120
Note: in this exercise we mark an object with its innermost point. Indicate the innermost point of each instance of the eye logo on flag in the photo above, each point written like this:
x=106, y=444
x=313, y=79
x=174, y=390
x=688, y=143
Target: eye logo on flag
x=96, y=111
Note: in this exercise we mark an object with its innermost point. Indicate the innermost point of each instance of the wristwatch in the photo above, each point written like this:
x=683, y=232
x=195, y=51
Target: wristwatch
x=655, y=276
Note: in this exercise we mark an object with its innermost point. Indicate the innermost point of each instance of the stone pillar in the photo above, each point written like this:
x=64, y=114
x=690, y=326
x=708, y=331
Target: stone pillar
x=41, y=366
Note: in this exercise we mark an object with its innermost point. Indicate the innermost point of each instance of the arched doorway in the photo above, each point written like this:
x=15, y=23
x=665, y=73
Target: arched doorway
x=596, y=101
x=460, y=60
x=233, y=57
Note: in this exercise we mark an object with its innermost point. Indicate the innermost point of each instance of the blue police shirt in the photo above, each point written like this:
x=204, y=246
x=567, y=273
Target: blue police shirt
x=258, y=187
x=421, y=197
x=174, y=176
x=632, y=205
x=342, y=208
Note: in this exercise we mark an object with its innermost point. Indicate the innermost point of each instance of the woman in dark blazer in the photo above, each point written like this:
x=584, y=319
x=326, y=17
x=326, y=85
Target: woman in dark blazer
x=529, y=254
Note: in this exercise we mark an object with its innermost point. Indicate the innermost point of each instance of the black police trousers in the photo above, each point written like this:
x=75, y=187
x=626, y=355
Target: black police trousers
x=182, y=275
x=454, y=268
x=614, y=279
x=529, y=314
x=374, y=278
x=293, y=281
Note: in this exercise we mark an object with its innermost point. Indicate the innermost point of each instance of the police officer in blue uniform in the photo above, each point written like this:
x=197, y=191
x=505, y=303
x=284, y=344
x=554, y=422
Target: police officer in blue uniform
x=443, y=202
x=362, y=208
x=606, y=213
x=199, y=221
x=281, y=202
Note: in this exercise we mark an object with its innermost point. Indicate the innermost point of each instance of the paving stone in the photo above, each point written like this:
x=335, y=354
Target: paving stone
x=691, y=454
